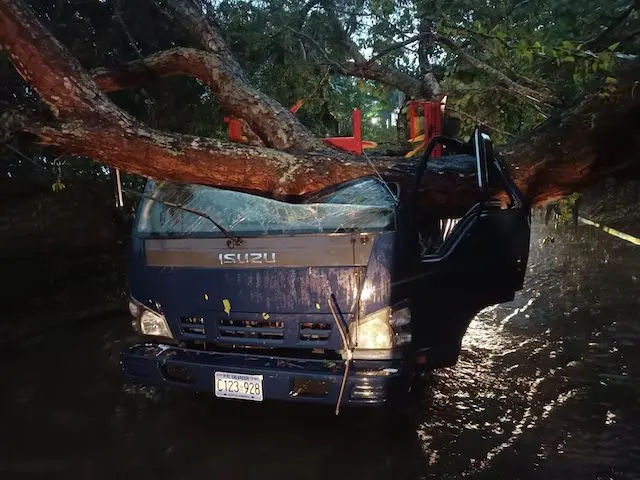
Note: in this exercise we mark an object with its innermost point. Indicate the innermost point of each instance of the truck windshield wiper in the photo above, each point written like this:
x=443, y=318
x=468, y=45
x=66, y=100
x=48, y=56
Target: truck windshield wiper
x=232, y=238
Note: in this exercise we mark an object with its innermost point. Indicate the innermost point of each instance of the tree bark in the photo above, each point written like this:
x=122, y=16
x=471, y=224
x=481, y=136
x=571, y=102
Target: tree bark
x=412, y=86
x=599, y=136
x=272, y=122
x=284, y=175
x=216, y=66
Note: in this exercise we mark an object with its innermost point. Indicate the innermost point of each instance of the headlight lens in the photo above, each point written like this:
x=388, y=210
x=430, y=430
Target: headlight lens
x=373, y=331
x=152, y=323
x=382, y=330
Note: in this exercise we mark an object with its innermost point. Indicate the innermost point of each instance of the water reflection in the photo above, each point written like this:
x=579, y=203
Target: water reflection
x=541, y=375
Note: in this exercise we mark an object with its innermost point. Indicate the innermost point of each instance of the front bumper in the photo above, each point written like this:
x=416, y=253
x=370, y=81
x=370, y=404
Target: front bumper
x=370, y=382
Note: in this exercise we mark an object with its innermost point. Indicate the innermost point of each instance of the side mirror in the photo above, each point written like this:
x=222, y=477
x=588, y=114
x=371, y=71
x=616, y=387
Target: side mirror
x=490, y=170
x=483, y=151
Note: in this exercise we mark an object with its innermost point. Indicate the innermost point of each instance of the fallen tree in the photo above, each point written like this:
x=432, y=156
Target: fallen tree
x=575, y=147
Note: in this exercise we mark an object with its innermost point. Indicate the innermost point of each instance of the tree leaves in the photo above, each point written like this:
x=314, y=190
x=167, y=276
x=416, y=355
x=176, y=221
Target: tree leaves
x=613, y=47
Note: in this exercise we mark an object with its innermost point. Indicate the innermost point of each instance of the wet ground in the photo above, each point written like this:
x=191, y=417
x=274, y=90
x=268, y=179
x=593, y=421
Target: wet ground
x=547, y=387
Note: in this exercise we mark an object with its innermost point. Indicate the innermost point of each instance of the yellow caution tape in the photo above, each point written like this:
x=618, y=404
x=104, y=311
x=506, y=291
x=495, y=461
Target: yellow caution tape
x=611, y=231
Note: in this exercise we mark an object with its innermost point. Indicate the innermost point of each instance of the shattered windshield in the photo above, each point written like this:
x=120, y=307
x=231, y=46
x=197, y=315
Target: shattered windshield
x=365, y=205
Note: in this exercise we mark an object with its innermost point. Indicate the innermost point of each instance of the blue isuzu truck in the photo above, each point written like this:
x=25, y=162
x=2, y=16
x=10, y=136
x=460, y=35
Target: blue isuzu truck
x=340, y=298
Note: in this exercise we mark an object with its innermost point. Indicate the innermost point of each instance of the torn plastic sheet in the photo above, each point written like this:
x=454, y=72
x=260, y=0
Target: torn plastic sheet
x=366, y=205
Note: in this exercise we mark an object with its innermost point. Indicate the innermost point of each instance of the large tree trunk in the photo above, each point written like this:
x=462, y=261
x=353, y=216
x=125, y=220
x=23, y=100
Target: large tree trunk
x=570, y=151
x=584, y=143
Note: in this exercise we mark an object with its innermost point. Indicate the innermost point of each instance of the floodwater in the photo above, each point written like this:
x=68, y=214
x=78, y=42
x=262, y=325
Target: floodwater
x=547, y=387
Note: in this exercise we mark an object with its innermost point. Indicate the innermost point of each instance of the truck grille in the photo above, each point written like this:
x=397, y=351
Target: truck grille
x=315, y=332
x=192, y=326
x=261, y=332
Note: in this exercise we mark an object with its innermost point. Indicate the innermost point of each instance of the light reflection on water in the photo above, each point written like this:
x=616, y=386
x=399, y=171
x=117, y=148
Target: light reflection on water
x=535, y=376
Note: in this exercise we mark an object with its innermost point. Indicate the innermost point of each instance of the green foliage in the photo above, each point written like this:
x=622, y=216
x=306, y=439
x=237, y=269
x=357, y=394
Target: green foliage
x=566, y=208
x=544, y=45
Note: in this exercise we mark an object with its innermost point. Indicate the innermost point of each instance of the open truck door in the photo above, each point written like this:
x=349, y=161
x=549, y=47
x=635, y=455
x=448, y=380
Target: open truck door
x=468, y=263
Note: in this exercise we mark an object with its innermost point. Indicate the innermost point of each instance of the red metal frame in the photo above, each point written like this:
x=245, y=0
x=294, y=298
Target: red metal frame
x=431, y=127
x=354, y=144
x=431, y=122
x=234, y=129
x=350, y=144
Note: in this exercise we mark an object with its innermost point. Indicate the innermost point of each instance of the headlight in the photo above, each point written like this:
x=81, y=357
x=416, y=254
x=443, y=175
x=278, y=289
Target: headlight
x=148, y=322
x=373, y=331
x=382, y=330
x=152, y=323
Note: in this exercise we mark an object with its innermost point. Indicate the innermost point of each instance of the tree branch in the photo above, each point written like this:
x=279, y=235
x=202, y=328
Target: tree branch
x=62, y=84
x=132, y=42
x=361, y=67
x=595, y=138
x=530, y=81
x=271, y=121
x=193, y=20
x=268, y=119
x=396, y=46
x=395, y=78
x=612, y=26
x=338, y=66
x=474, y=34
x=304, y=11
x=273, y=173
x=585, y=143
x=527, y=92
x=350, y=46
x=400, y=80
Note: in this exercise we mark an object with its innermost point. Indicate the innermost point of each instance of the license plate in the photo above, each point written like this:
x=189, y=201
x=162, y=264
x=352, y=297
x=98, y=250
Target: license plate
x=238, y=385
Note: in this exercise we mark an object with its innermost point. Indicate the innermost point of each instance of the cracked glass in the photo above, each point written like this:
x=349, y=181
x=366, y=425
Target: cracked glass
x=363, y=205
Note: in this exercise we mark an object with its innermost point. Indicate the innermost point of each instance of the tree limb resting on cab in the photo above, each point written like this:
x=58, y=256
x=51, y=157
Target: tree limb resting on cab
x=598, y=136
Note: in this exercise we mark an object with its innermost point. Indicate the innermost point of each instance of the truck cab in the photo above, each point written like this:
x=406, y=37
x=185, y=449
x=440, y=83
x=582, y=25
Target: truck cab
x=341, y=297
